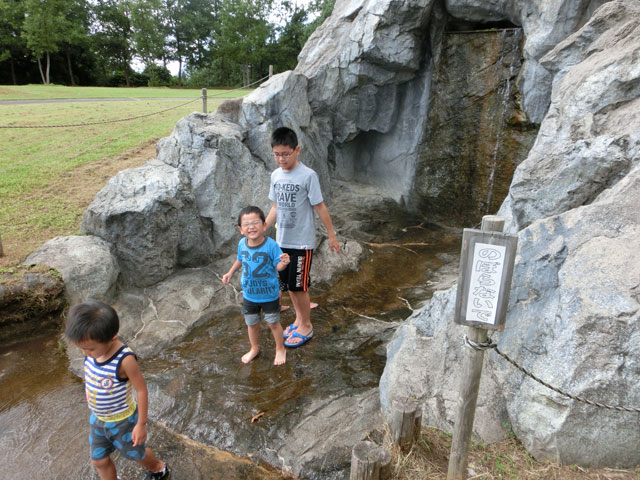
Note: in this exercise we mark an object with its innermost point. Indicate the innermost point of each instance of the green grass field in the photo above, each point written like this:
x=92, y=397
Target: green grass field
x=49, y=175
x=46, y=92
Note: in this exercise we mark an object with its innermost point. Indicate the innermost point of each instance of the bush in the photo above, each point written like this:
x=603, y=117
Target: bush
x=159, y=76
x=135, y=79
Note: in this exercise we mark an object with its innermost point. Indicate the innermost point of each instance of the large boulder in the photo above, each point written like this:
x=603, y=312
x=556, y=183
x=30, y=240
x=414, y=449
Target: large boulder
x=219, y=171
x=149, y=215
x=86, y=264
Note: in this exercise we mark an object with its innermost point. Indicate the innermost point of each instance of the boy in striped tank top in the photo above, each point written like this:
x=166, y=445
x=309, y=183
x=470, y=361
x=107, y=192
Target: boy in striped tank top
x=111, y=373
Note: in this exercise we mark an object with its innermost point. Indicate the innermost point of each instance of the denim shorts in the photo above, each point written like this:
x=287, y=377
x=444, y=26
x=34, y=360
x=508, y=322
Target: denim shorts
x=251, y=311
x=106, y=437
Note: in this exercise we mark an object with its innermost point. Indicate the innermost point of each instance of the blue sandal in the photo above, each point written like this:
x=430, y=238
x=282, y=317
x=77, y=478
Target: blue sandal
x=289, y=330
x=305, y=339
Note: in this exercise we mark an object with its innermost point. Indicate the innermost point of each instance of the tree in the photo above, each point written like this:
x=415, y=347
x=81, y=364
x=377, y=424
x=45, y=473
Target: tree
x=44, y=28
x=291, y=38
x=243, y=34
x=189, y=25
x=113, y=35
x=76, y=31
x=150, y=31
x=11, y=42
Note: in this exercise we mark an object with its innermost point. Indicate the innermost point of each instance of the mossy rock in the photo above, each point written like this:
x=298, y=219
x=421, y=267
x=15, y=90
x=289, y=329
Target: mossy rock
x=31, y=301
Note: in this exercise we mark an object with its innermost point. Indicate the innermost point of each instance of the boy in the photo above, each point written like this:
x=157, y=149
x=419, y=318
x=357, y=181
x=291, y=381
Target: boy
x=110, y=373
x=260, y=258
x=295, y=193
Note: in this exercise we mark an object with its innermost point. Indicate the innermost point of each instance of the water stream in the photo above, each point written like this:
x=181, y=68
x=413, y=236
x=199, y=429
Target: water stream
x=203, y=399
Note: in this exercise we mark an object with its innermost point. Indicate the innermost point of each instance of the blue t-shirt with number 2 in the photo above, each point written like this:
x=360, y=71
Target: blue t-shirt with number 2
x=259, y=280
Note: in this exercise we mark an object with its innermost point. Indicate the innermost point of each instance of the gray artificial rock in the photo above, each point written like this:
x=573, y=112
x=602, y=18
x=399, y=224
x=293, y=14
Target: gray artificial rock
x=328, y=265
x=590, y=138
x=574, y=323
x=154, y=318
x=424, y=360
x=283, y=101
x=149, y=216
x=87, y=265
x=574, y=307
x=219, y=170
x=315, y=448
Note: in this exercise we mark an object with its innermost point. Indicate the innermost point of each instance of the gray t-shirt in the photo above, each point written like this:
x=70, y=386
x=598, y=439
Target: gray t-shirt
x=295, y=193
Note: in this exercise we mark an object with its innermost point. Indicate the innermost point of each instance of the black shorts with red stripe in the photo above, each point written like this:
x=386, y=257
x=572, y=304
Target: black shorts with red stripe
x=296, y=276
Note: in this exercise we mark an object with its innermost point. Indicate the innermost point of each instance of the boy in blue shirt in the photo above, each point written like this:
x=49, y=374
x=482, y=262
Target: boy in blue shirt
x=111, y=373
x=260, y=258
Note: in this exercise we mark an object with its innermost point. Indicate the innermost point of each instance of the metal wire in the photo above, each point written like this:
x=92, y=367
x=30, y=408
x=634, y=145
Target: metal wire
x=102, y=122
x=490, y=345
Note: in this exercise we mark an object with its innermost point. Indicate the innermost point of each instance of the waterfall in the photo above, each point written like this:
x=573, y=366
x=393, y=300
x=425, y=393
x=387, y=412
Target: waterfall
x=476, y=134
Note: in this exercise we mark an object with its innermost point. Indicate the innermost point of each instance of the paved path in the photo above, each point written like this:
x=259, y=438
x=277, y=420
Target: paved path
x=75, y=100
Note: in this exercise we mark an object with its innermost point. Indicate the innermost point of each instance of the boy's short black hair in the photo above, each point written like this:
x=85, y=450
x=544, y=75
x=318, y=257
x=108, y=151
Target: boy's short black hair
x=284, y=136
x=248, y=210
x=91, y=321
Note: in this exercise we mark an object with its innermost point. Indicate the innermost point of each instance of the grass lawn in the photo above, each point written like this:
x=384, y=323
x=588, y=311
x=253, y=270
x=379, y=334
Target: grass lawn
x=48, y=176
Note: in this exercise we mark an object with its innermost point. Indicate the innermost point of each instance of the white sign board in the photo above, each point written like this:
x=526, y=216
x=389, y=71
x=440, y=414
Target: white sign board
x=484, y=286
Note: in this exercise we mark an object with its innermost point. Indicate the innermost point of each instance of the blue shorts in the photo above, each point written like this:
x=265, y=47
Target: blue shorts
x=106, y=437
x=251, y=311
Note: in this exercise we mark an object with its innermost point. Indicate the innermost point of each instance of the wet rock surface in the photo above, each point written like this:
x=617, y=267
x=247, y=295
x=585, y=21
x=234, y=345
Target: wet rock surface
x=307, y=414
x=310, y=412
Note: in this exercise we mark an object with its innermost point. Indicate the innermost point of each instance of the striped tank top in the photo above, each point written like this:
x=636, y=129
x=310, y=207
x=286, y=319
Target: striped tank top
x=110, y=397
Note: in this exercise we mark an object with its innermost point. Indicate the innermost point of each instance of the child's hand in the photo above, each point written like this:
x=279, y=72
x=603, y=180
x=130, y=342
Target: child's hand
x=284, y=258
x=139, y=434
x=226, y=278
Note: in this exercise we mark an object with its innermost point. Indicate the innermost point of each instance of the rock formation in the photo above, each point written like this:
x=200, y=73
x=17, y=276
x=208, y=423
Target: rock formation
x=574, y=311
x=360, y=100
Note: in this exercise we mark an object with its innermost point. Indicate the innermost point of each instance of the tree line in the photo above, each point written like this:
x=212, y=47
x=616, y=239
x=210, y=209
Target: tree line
x=96, y=42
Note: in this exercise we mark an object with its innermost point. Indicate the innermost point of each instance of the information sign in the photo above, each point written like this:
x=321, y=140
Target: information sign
x=484, y=281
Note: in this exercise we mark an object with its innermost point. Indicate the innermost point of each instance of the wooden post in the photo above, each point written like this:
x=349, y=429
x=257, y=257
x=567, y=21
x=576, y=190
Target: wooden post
x=270, y=71
x=386, y=468
x=1, y=251
x=204, y=100
x=469, y=385
x=406, y=418
x=370, y=462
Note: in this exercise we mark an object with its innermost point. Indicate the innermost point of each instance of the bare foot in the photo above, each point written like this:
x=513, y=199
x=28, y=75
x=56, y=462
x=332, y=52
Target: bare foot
x=284, y=308
x=250, y=355
x=281, y=357
x=313, y=305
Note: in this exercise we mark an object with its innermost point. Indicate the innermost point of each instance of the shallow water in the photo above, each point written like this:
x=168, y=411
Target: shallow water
x=199, y=389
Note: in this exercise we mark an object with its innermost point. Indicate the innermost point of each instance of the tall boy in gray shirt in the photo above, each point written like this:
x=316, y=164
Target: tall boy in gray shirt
x=295, y=193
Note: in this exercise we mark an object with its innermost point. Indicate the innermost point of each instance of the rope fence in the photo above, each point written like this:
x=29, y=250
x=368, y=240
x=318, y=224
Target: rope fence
x=102, y=122
x=490, y=345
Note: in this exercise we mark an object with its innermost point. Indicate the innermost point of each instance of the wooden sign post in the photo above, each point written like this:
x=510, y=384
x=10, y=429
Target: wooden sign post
x=484, y=282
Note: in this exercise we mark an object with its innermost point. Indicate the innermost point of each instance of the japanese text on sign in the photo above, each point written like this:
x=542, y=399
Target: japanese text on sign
x=484, y=287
